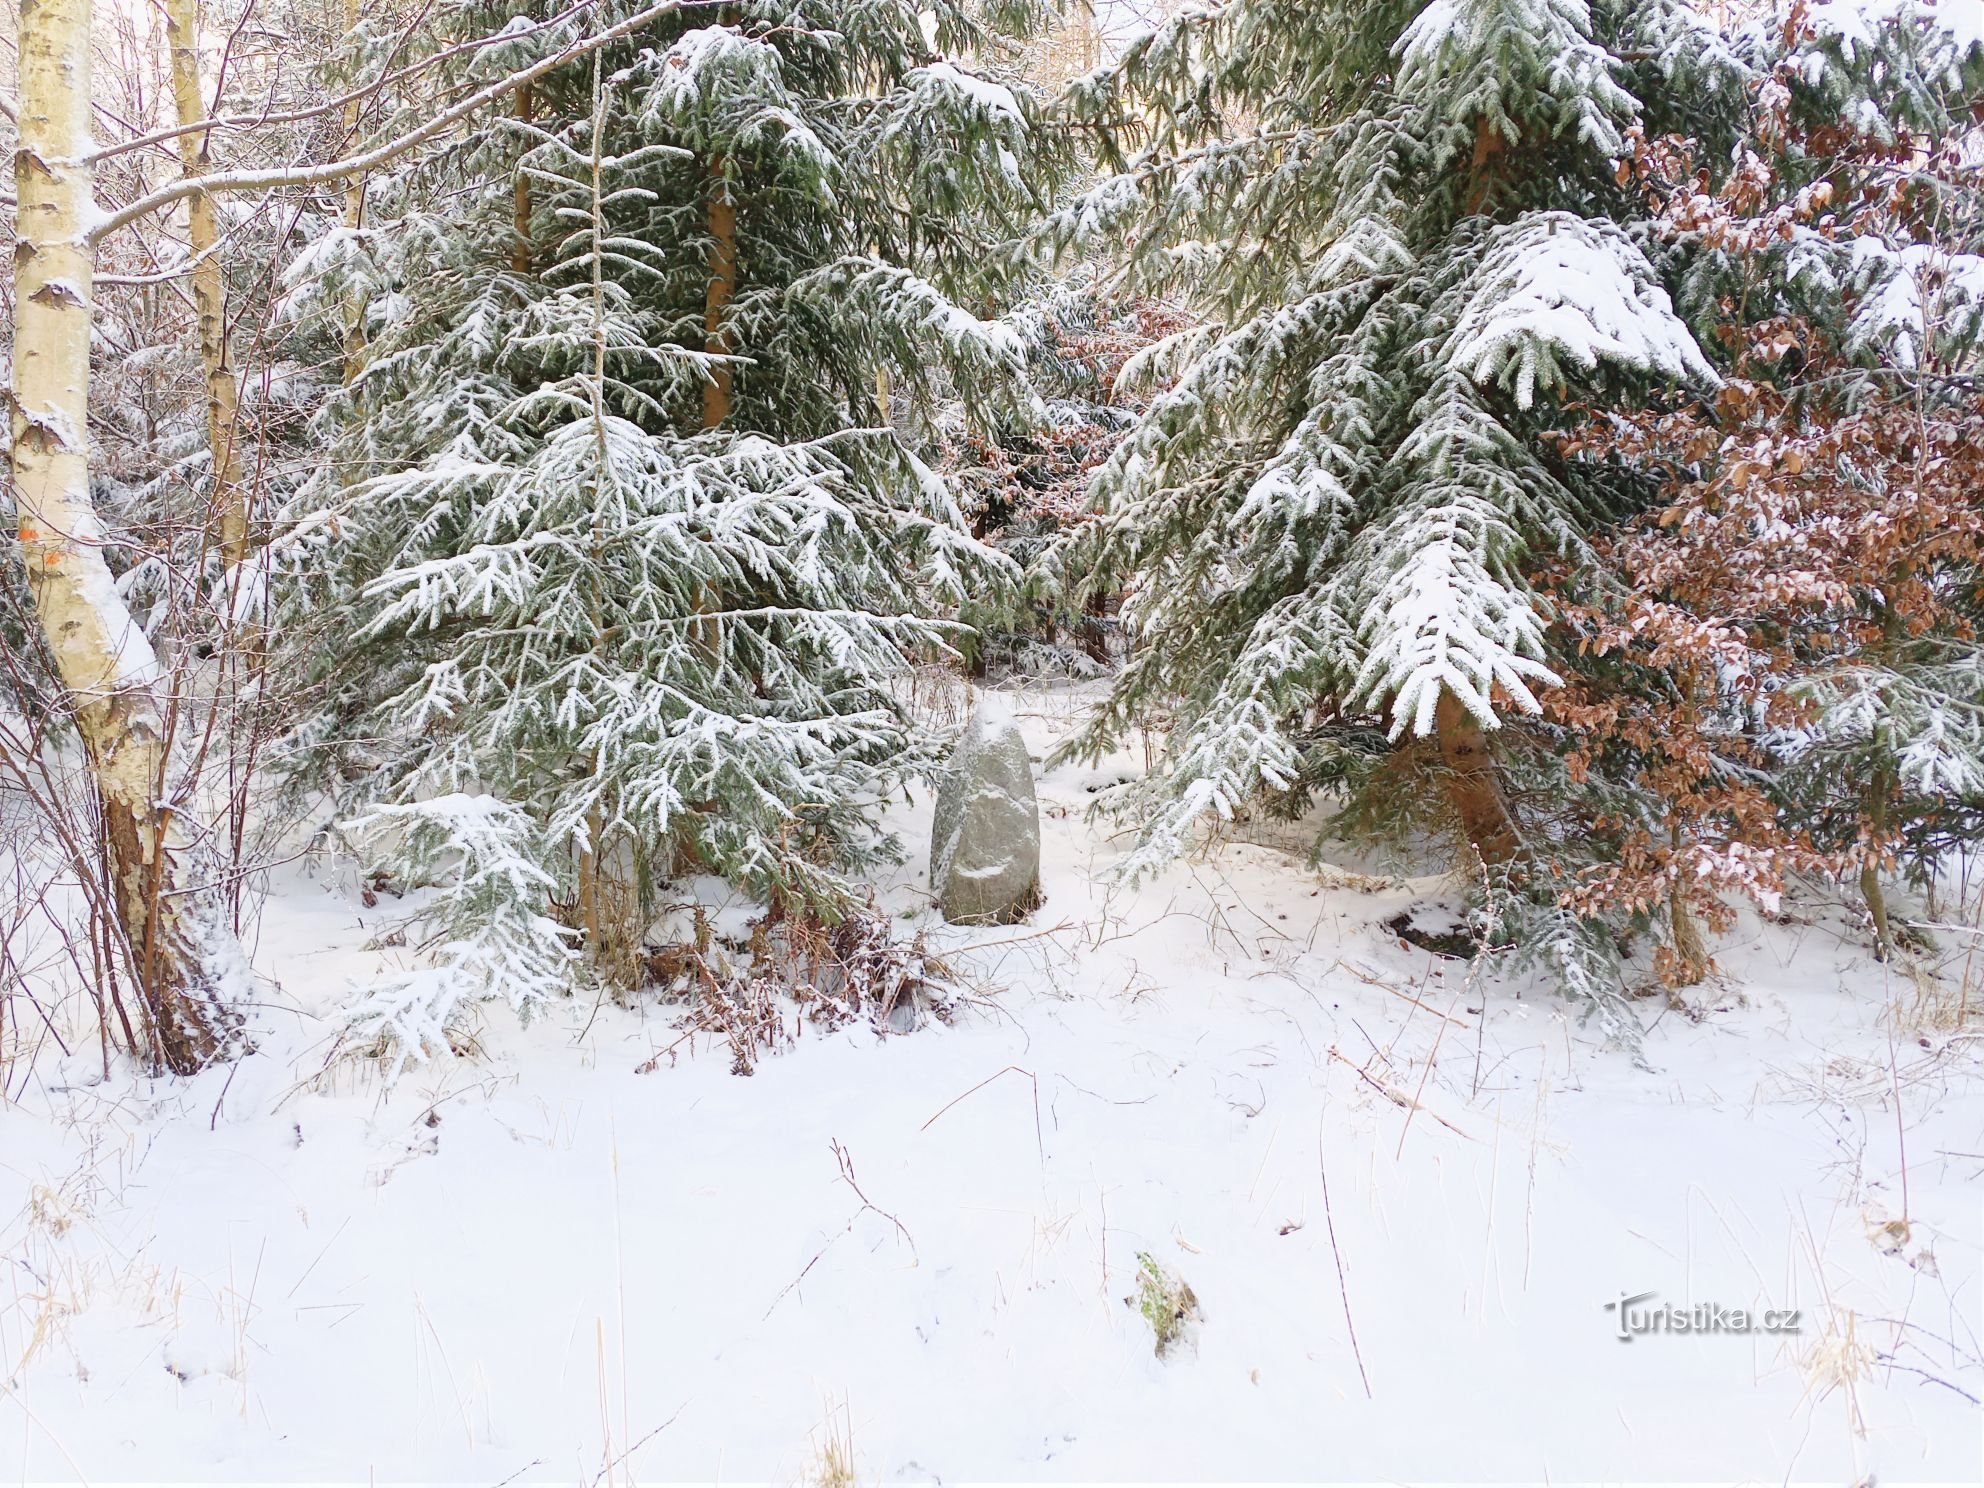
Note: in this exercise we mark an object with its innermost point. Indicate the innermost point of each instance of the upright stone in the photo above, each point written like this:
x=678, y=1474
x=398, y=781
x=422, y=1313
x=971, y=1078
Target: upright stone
x=985, y=843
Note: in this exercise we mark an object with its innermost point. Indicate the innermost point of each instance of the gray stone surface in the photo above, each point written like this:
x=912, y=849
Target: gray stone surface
x=985, y=842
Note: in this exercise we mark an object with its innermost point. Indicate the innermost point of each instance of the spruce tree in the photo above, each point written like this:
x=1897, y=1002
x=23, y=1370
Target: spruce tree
x=617, y=533
x=1408, y=223
x=1420, y=230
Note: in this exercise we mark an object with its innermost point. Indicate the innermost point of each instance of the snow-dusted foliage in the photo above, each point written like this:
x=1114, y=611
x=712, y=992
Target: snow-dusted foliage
x=1778, y=666
x=615, y=532
x=1419, y=234
x=491, y=938
x=1911, y=294
x=1556, y=289
x=1399, y=220
x=1884, y=67
x=1092, y=354
x=1518, y=68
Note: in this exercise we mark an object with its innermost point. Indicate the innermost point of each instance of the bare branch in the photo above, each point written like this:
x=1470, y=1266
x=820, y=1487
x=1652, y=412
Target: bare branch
x=232, y=122
x=164, y=276
x=338, y=170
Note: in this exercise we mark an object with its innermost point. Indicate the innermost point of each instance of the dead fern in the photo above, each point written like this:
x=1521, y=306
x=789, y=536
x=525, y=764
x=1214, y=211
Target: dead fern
x=798, y=969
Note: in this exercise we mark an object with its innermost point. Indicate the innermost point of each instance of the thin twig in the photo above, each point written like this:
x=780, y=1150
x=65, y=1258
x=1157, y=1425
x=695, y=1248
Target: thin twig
x=1425, y=1075
x=631, y=1450
x=1385, y=986
x=1011, y=1069
x=868, y=1205
x=1342, y=1284
x=1403, y=1102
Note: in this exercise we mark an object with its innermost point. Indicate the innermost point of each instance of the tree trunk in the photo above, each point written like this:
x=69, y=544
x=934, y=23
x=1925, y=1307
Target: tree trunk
x=230, y=501
x=520, y=255
x=354, y=217
x=183, y=957
x=1881, y=784
x=1690, y=954
x=1095, y=629
x=720, y=291
x=1870, y=871
x=1472, y=783
x=1481, y=170
x=1877, y=906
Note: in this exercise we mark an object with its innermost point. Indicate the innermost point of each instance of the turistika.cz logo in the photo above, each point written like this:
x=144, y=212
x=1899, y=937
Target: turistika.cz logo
x=1635, y=1319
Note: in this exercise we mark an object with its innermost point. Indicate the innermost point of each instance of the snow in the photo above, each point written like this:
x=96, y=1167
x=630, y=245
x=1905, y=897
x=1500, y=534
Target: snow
x=1440, y=23
x=994, y=99
x=540, y=1265
x=1857, y=22
x=704, y=58
x=1483, y=57
x=1556, y=285
x=130, y=663
x=1445, y=624
x=1910, y=291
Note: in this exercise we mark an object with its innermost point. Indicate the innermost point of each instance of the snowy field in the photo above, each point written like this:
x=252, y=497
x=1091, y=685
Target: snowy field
x=1402, y=1200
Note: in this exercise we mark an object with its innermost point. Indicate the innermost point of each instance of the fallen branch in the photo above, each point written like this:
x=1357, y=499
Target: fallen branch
x=868, y=1206
x=987, y=945
x=846, y=1164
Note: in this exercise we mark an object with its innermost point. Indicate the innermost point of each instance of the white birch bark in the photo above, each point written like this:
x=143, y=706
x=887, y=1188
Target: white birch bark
x=182, y=955
x=230, y=498
x=354, y=218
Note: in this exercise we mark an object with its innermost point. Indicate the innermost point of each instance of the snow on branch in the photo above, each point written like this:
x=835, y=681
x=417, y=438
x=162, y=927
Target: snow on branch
x=994, y=100
x=1515, y=65
x=1443, y=607
x=1857, y=24
x=906, y=318
x=493, y=938
x=1555, y=288
x=1915, y=298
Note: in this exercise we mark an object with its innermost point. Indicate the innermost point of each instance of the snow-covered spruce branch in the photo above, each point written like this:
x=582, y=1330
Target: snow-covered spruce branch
x=490, y=936
x=368, y=160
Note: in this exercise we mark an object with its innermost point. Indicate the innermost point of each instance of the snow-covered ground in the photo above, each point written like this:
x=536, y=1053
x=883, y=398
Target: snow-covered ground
x=1402, y=1201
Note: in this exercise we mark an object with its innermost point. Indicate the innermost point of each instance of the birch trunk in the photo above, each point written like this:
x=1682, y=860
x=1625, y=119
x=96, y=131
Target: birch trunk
x=209, y=295
x=354, y=218
x=182, y=954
